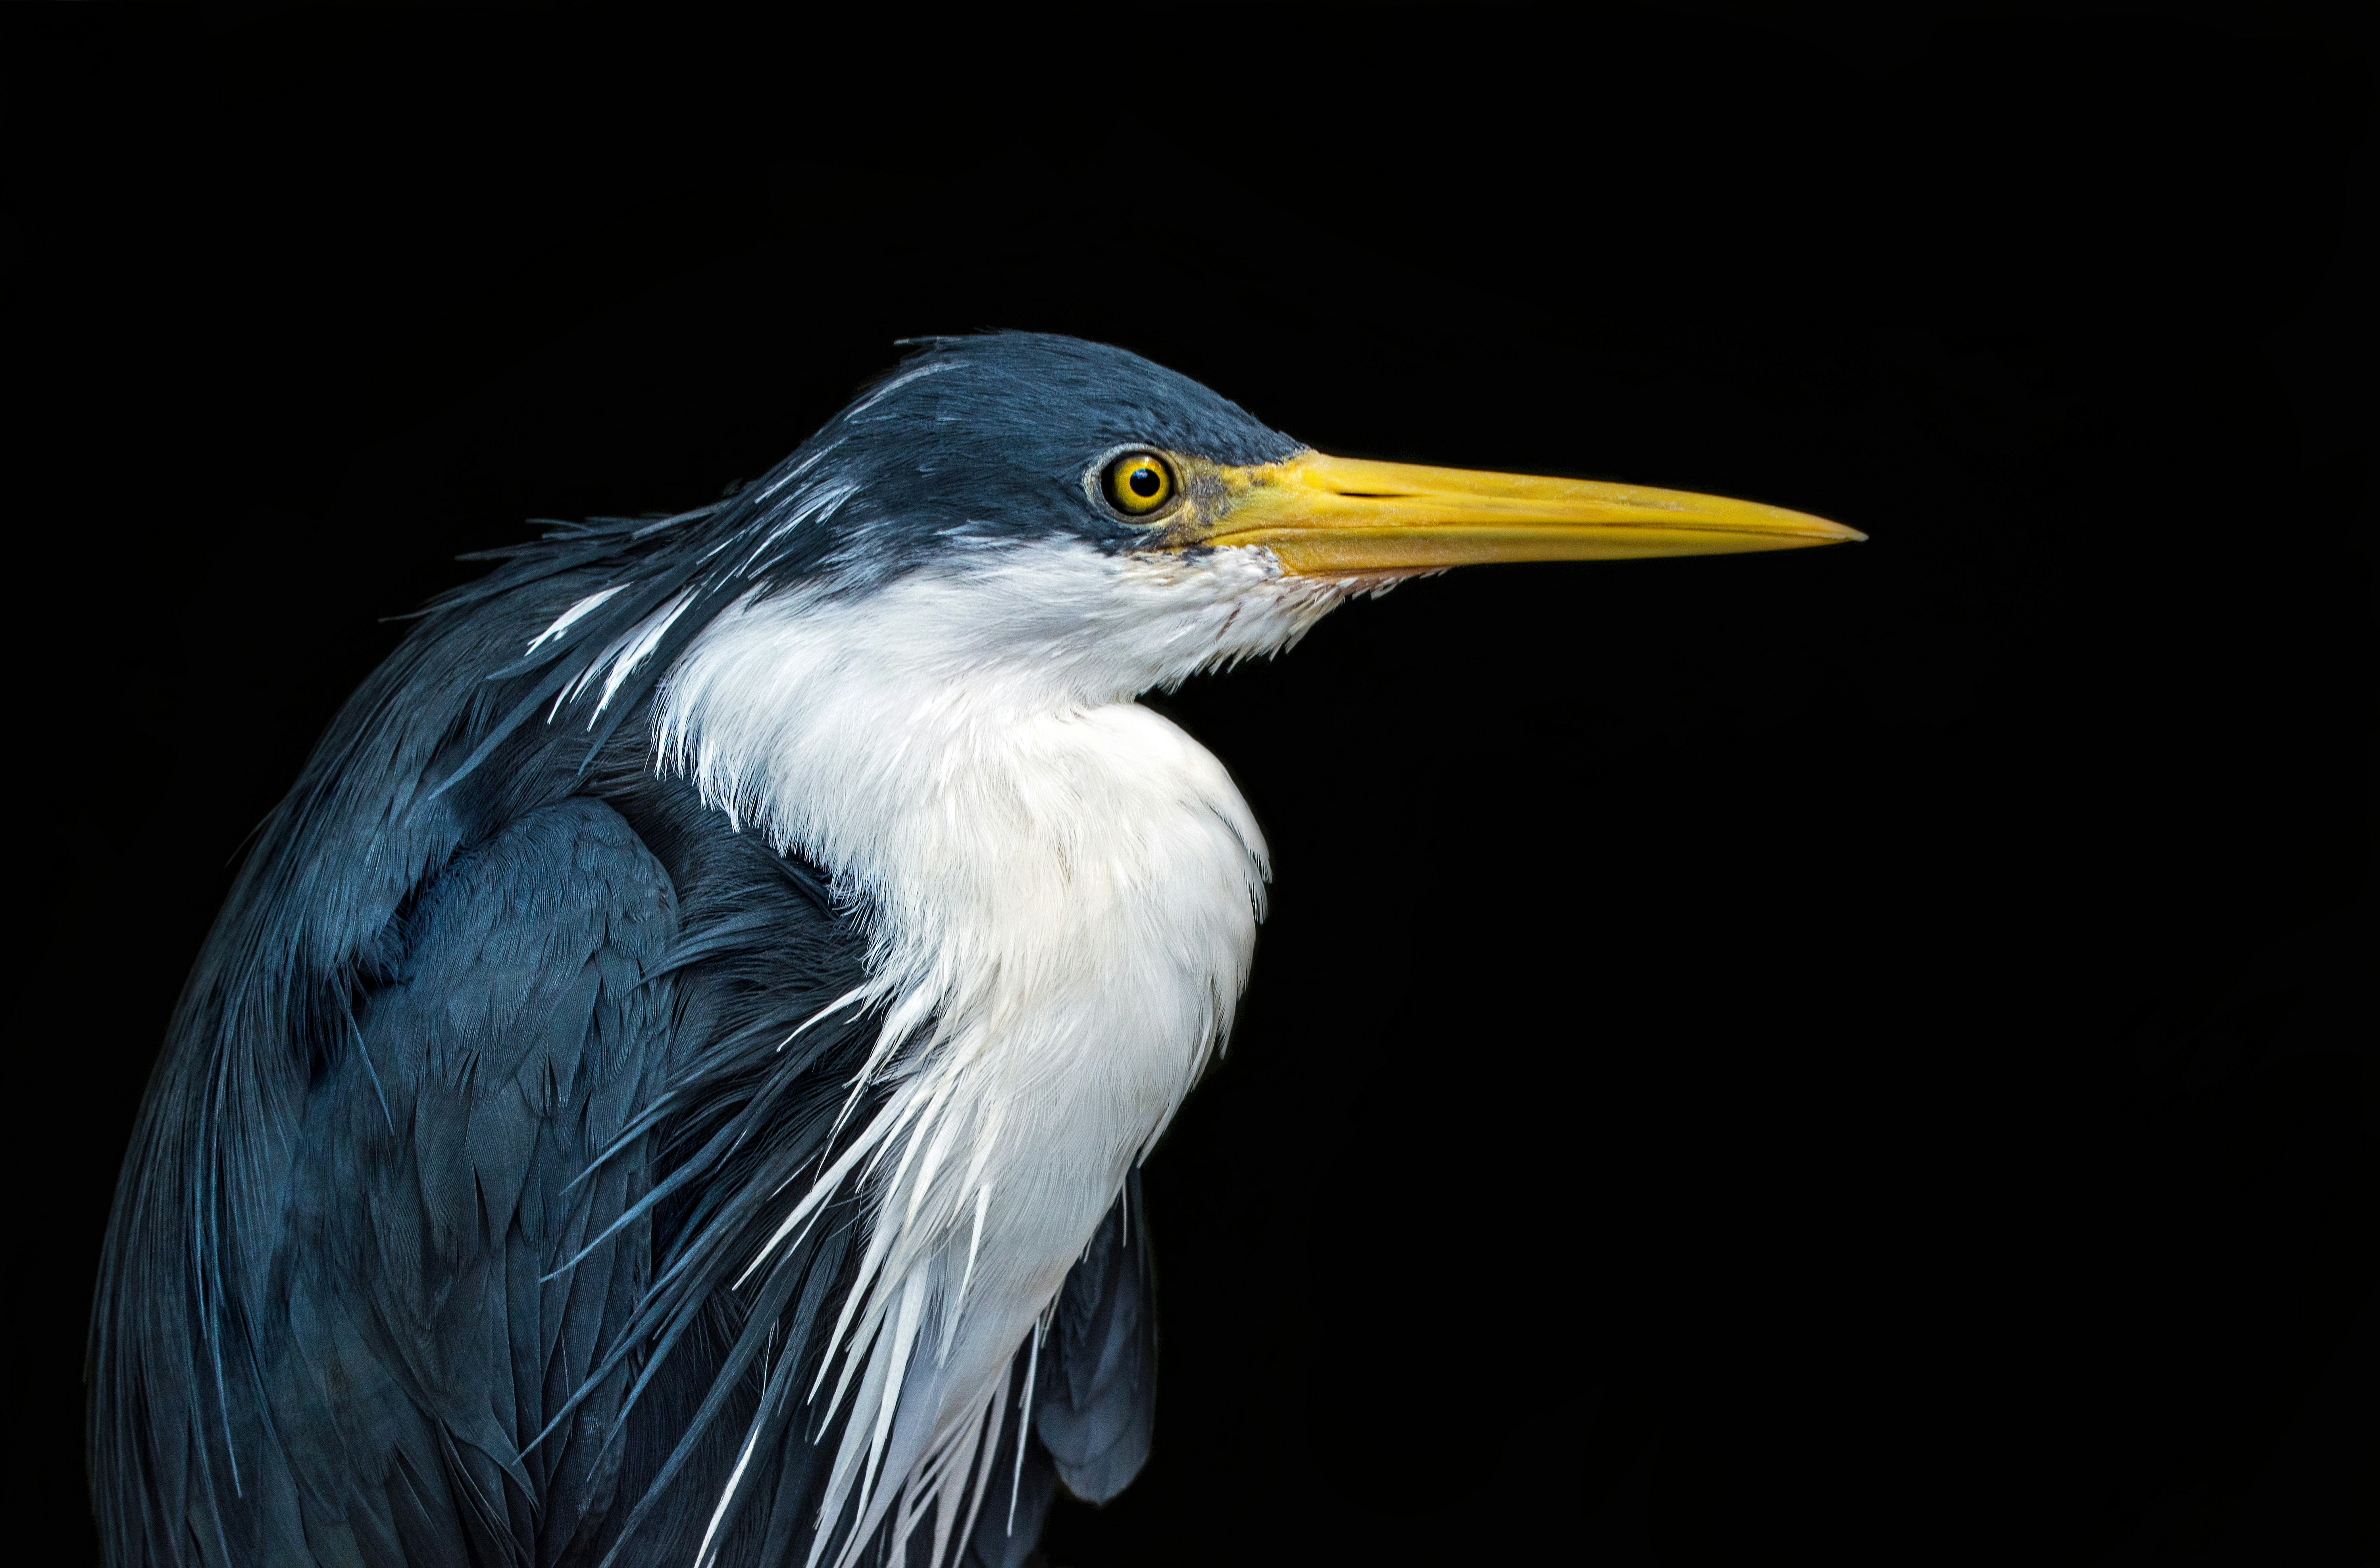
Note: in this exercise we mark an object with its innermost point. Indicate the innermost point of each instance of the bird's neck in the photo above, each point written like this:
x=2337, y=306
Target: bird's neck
x=1016, y=833
x=1061, y=895
x=960, y=752
x=1061, y=890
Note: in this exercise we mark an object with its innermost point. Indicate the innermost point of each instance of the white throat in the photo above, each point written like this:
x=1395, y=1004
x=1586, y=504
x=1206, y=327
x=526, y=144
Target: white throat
x=1060, y=891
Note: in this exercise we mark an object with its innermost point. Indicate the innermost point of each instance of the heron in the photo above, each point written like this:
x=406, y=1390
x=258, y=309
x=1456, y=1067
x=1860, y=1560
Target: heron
x=669, y=1082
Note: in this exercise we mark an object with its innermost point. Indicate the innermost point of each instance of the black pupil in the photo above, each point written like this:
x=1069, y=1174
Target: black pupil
x=1144, y=482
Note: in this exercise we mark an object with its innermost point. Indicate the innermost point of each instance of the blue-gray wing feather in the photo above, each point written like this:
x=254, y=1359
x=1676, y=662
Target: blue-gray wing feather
x=429, y=1338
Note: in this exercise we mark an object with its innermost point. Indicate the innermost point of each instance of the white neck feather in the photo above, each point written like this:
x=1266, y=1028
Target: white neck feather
x=1060, y=891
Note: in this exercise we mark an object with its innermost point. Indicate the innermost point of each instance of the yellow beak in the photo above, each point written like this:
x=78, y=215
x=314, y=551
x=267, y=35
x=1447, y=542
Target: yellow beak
x=1322, y=516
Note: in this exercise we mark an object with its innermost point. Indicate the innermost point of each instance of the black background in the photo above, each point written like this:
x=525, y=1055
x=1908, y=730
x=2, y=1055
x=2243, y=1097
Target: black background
x=1864, y=1054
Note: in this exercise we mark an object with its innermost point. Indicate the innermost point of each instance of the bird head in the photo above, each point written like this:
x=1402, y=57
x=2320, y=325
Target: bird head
x=1088, y=497
x=1026, y=436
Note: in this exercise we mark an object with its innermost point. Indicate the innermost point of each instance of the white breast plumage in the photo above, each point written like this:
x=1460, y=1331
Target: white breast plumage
x=1061, y=890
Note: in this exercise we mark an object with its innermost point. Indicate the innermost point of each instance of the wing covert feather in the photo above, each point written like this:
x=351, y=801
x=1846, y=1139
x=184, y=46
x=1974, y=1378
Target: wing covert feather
x=425, y=1346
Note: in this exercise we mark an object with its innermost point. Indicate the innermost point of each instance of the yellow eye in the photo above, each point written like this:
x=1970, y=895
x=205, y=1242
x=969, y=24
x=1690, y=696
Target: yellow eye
x=1139, y=483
